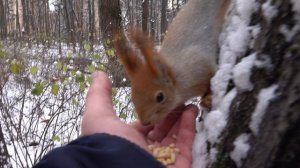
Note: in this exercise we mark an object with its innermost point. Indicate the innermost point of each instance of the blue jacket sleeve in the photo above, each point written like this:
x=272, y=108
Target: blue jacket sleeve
x=99, y=150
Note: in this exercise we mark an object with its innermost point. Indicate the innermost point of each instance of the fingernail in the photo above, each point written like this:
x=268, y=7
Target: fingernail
x=192, y=107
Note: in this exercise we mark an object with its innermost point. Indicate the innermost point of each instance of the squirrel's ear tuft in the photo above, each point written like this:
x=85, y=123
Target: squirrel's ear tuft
x=146, y=46
x=153, y=60
x=128, y=57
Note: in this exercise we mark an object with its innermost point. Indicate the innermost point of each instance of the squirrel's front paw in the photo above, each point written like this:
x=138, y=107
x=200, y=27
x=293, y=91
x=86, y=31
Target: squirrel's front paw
x=206, y=100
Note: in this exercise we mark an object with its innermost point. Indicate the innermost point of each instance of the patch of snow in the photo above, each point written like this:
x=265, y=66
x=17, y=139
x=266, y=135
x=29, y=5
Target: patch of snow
x=289, y=33
x=246, y=8
x=239, y=38
x=254, y=31
x=241, y=148
x=200, y=157
x=242, y=73
x=264, y=98
x=219, y=83
x=264, y=62
x=296, y=6
x=226, y=102
x=71, y=67
x=78, y=73
x=209, y=130
x=8, y=165
x=270, y=11
x=213, y=154
x=234, y=40
x=215, y=121
x=94, y=63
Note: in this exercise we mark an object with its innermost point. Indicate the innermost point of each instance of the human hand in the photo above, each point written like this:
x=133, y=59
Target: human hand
x=99, y=117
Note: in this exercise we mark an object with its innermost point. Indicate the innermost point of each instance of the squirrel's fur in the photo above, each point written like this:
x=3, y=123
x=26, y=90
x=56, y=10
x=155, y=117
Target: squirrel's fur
x=182, y=69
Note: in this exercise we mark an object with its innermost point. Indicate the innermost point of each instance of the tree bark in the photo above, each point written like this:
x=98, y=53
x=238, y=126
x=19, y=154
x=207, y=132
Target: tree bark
x=152, y=22
x=163, y=20
x=110, y=24
x=145, y=15
x=59, y=26
x=96, y=19
x=32, y=16
x=18, y=26
x=25, y=16
x=3, y=23
x=91, y=22
x=69, y=21
x=277, y=145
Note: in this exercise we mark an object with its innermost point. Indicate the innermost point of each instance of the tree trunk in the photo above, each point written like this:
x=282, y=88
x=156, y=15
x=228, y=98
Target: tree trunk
x=110, y=23
x=18, y=26
x=275, y=143
x=152, y=20
x=3, y=23
x=31, y=18
x=163, y=20
x=59, y=27
x=46, y=23
x=145, y=15
x=69, y=21
x=91, y=22
x=25, y=16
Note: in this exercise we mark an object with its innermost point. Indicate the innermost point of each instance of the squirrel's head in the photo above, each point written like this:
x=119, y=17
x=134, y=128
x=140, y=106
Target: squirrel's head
x=152, y=80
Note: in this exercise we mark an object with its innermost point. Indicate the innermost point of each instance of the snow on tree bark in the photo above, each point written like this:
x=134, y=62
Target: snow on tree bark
x=271, y=136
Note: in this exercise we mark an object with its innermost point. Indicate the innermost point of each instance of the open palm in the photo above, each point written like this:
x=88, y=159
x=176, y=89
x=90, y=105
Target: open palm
x=177, y=128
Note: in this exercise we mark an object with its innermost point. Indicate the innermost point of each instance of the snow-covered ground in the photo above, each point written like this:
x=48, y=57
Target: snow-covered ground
x=35, y=124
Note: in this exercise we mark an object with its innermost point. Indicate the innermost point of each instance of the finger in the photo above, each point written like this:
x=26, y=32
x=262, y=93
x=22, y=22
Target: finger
x=98, y=105
x=99, y=100
x=187, y=126
x=162, y=128
x=186, y=132
x=181, y=162
x=141, y=128
x=171, y=137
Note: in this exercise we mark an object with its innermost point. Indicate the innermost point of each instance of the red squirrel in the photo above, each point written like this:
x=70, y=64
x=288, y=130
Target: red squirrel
x=182, y=69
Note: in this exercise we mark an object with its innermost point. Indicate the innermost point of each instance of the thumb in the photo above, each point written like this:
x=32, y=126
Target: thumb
x=99, y=93
x=98, y=106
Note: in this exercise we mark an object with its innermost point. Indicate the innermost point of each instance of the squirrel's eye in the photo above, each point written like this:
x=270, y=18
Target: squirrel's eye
x=160, y=97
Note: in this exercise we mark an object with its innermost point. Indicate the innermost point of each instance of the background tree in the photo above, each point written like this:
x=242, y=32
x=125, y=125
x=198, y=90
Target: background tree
x=91, y=22
x=145, y=15
x=164, y=4
x=111, y=24
x=3, y=25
